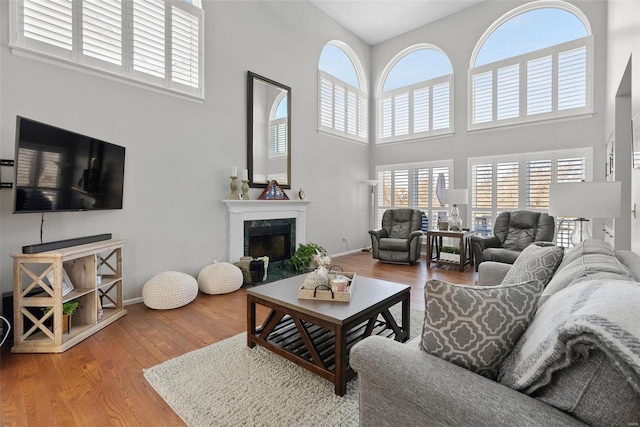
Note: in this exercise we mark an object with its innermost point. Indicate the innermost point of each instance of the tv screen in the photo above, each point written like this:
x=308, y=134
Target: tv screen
x=59, y=170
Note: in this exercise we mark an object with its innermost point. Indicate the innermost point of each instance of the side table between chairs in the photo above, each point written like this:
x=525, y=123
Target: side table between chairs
x=434, y=247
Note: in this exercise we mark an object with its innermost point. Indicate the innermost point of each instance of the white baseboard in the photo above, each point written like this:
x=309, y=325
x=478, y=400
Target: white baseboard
x=348, y=252
x=132, y=301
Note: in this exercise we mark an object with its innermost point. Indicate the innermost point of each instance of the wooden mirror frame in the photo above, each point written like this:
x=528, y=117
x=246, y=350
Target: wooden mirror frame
x=252, y=78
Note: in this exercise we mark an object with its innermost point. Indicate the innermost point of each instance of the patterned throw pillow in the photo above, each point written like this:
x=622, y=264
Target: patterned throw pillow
x=535, y=262
x=477, y=326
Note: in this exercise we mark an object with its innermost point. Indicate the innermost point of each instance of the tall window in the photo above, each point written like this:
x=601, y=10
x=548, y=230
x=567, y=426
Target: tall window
x=416, y=97
x=342, y=90
x=509, y=183
x=534, y=63
x=419, y=186
x=154, y=41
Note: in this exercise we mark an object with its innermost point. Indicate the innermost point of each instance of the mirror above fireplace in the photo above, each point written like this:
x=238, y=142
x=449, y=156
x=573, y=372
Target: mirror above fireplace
x=268, y=132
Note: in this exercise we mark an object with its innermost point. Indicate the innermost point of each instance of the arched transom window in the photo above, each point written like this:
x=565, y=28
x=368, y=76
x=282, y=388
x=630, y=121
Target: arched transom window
x=534, y=63
x=343, y=105
x=415, y=96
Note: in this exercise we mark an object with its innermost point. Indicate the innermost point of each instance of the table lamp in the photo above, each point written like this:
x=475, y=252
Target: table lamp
x=455, y=197
x=583, y=200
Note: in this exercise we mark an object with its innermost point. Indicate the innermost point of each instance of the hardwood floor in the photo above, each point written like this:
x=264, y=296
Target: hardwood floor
x=99, y=382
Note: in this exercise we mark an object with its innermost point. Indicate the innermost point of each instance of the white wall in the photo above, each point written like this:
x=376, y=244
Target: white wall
x=457, y=36
x=623, y=48
x=179, y=152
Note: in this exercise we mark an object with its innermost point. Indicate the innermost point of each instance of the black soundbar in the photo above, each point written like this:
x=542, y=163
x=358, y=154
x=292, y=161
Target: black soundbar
x=59, y=244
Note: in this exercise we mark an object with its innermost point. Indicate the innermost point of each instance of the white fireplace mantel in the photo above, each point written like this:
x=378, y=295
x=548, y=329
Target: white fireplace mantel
x=250, y=210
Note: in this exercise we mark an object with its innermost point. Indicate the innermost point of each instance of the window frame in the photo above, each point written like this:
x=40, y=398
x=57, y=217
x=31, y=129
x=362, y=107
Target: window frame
x=381, y=96
x=361, y=134
x=34, y=49
x=523, y=159
x=412, y=187
x=522, y=60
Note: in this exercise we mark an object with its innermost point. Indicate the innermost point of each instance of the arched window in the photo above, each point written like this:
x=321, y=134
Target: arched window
x=532, y=64
x=278, y=127
x=342, y=93
x=415, y=96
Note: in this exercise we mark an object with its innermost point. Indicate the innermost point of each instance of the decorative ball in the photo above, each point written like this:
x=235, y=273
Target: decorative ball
x=171, y=289
x=220, y=278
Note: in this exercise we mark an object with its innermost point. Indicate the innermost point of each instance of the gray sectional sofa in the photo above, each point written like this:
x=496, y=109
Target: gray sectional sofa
x=577, y=362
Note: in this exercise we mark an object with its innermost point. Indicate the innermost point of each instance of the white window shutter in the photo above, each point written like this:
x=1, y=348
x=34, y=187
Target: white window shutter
x=571, y=170
x=342, y=108
x=441, y=106
x=102, y=30
x=482, y=98
x=326, y=102
x=421, y=110
x=185, y=47
x=482, y=186
x=538, y=179
x=540, y=86
x=572, y=79
x=401, y=188
x=149, y=37
x=507, y=185
x=508, y=92
x=49, y=22
x=401, y=114
x=363, y=114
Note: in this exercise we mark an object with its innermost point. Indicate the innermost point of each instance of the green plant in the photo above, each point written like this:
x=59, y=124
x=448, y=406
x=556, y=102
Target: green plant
x=450, y=249
x=68, y=307
x=301, y=259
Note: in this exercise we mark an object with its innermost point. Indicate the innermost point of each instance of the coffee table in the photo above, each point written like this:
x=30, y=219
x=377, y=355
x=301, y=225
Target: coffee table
x=318, y=335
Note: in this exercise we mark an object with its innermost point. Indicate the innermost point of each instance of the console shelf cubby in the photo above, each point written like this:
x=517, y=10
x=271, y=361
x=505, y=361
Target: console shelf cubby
x=95, y=271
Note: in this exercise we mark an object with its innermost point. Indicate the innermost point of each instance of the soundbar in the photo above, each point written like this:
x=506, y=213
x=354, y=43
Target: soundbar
x=59, y=244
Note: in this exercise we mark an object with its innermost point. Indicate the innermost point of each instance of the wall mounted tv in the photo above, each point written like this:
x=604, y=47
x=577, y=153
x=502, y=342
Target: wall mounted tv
x=58, y=170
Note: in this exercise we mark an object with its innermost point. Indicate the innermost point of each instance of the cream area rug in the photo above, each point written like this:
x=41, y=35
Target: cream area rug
x=229, y=384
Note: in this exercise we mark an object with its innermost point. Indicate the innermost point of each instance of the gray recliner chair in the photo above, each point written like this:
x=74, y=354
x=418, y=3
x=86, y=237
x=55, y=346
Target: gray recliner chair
x=513, y=231
x=399, y=239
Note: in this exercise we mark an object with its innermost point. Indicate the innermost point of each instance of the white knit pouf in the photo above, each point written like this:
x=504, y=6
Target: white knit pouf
x=171, y=289
x=220, y=278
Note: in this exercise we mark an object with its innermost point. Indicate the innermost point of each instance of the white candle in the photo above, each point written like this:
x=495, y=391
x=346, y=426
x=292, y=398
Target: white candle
x=245, y=174
x=234, y=171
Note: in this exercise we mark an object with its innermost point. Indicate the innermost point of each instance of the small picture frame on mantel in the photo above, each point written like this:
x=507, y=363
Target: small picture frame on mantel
x=273, y=192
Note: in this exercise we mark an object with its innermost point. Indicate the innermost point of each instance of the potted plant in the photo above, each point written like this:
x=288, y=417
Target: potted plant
x=301, y=259
x=450, y=253
x=68, y=308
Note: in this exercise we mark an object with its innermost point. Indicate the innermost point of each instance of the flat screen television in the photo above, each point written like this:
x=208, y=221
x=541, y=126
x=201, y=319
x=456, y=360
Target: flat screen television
x=57, y=170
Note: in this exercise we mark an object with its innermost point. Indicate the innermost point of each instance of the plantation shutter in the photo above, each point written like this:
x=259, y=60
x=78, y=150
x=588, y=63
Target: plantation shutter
x=185, y=47
x=442, y=106
x=49, y=22
x=539, y=86
x=385, y=118
x=508, y=96
x=102, y=30
x=421, y=110
x=507, y=183
x=482, y=186
x=149, y=37
x=571, y=169
x=278, y=137
x=572, y=79
x=343, y=108
x=482, y=98
x=421, y=187
x=326, y=102
x=401, y=188
x=538, y=179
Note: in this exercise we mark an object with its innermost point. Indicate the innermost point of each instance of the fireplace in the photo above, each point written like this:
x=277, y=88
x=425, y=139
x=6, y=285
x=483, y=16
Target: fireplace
x=274, y=238
x=268, y=211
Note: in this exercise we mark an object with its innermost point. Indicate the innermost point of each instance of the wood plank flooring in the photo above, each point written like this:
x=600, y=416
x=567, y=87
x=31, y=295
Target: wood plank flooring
x=99, y=382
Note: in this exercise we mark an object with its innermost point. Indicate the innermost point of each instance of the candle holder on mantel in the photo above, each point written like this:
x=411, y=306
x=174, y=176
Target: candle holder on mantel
x=245, y=189
x=234, y=189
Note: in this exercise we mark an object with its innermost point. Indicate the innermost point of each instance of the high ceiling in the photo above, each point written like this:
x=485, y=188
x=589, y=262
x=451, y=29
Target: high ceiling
x=375, y=21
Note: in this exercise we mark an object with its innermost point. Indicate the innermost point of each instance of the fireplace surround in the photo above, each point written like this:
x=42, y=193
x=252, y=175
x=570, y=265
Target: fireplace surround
x=265, y=212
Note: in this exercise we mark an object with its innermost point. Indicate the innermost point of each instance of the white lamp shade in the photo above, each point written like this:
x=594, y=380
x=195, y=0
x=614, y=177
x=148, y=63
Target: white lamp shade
x=372, y=182
x=585, y=199
x=456, y=197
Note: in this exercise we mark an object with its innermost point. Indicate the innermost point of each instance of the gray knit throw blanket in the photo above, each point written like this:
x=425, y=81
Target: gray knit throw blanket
x=595, y=314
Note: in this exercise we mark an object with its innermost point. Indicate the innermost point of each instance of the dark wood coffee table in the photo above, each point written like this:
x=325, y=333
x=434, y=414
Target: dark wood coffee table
x=318, y=335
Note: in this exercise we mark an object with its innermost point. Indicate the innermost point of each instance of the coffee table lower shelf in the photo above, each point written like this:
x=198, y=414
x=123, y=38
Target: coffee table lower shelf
x=318, y=346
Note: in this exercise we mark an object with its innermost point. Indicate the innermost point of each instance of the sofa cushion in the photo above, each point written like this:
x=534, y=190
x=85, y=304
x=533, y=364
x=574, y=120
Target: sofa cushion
x=535, y=263
x=593, y=391
x=506, y=256
x=476, y=327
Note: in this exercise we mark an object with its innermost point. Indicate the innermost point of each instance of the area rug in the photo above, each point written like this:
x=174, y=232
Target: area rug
x=229, y=384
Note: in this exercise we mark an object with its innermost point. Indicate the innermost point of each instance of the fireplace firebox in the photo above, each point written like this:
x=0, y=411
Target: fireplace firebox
x=273, y=238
